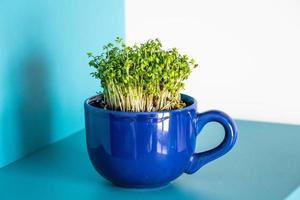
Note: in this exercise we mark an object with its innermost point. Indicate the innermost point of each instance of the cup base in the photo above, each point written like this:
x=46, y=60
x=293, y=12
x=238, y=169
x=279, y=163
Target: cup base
x=142, y=187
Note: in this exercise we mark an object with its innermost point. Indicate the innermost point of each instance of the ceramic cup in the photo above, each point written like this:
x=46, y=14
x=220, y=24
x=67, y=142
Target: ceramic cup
x=150, y=149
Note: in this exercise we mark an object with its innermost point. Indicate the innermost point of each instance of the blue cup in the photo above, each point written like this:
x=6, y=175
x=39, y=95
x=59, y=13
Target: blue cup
x=150, y=149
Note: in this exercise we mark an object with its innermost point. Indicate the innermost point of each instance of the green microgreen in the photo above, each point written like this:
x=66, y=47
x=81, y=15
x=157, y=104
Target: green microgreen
x=141, y=78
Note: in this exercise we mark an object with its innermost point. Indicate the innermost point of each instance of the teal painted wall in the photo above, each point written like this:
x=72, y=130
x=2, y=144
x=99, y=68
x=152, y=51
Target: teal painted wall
x=44, y=76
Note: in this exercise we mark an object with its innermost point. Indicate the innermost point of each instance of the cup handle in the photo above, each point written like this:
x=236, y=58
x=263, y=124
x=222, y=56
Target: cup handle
x=197, y=160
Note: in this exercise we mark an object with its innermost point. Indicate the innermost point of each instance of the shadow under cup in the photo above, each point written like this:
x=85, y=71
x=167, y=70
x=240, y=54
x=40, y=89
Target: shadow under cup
x=149, y=149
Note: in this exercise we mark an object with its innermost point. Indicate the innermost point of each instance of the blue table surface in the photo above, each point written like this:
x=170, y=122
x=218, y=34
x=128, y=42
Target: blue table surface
x=264, y=164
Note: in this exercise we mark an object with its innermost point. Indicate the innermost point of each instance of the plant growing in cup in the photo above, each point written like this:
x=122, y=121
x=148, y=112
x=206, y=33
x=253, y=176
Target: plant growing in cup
x=140, y=129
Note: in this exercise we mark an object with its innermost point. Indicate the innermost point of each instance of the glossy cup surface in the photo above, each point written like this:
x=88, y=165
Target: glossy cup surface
x=140, y=149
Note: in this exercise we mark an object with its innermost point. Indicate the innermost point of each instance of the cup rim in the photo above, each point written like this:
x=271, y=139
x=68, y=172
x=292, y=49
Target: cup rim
x=183, y=96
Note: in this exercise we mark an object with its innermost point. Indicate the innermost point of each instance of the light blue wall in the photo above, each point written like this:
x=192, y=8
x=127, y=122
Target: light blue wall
x=44, y=76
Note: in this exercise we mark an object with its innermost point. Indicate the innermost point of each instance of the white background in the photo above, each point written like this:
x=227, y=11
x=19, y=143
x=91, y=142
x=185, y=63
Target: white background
x=248, y=51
